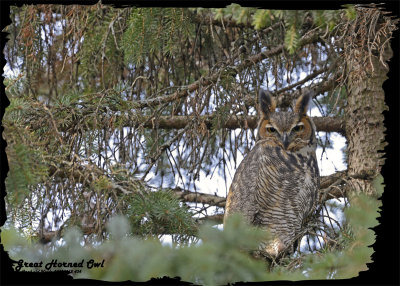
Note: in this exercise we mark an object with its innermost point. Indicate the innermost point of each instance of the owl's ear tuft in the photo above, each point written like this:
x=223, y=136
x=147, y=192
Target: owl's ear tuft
x=267, y=103
x=303, y=102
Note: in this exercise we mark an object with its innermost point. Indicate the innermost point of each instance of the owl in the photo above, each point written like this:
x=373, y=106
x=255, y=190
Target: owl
x=276, y=185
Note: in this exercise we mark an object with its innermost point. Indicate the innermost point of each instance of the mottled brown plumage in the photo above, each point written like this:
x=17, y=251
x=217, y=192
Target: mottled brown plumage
x=276, y=185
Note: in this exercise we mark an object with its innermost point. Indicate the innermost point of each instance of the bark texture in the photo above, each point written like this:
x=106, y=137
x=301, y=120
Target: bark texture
x=366, y=69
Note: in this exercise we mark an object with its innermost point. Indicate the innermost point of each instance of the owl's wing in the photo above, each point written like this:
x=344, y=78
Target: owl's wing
x=244, y=184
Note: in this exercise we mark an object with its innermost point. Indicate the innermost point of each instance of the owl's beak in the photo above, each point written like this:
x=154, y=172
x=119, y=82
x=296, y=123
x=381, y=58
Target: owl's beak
x=285, y=140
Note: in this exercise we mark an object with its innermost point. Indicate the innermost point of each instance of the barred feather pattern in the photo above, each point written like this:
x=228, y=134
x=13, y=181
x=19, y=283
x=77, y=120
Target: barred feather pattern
x=276, y=185
x=285, y=194
x=276, y=191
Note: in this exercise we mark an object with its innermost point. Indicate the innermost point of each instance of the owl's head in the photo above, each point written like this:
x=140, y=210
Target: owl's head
x=291, y=130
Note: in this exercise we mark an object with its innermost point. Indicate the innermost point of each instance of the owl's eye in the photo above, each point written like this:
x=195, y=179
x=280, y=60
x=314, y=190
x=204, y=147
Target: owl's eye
x=298, y=127
x=270, y=129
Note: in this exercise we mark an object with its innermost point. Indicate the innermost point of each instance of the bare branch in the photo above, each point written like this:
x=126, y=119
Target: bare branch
x=325, y=124
x=217, y=218
x=195, y=197
x=48, y=236
x=326, y=183
x=285, y=99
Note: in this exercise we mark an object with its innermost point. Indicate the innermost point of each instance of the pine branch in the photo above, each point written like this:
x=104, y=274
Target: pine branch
x=285, y=99
x=216, y=218
x=196, y=197
x=213, y=78
x=306, y=79
x=204, y=20
x=210, y=20
x=162, y=149
x=329, y=188
x=325, y=188
x=47, y=236
x=325, y=124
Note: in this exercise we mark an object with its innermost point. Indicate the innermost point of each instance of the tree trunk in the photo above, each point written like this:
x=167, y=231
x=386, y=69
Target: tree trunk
x=366, y=70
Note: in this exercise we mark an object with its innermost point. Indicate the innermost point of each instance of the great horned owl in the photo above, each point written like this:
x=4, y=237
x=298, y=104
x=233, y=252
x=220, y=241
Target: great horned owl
x=276, y=185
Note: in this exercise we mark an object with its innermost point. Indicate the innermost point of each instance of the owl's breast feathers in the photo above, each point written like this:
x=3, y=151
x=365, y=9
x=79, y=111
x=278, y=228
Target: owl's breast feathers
x=276, y=189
